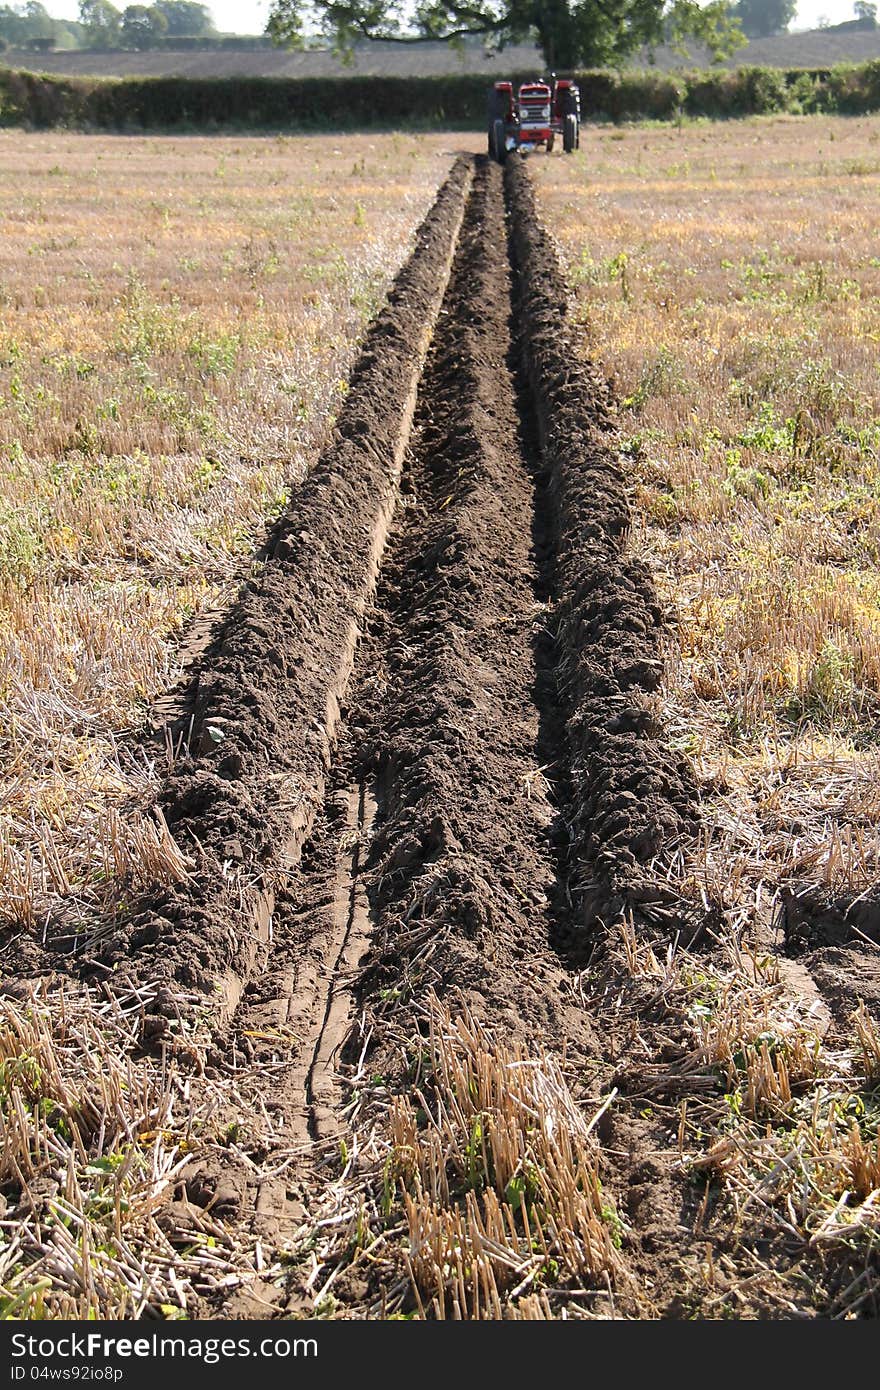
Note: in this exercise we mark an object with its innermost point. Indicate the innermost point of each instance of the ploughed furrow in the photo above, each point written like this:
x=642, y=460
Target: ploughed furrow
x=262, y=712
x=447, y=718
x=491, y=733
x=633, y=798
x=471, y=869
x=446, y=727
x=423, y=765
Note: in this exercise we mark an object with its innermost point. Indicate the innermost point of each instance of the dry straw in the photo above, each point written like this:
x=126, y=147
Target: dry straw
x=93, y=1141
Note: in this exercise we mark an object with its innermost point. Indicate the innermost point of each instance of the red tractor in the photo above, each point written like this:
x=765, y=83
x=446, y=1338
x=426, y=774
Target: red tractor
x=539, y=112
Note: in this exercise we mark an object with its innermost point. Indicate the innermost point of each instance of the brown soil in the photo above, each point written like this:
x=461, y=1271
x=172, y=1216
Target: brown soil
x=632, y=797
x=485, y=875
x=835, y=937
x=424, y=756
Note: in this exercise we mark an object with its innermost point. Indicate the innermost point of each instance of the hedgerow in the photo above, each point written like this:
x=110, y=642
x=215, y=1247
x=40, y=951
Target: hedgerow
x=157, y=103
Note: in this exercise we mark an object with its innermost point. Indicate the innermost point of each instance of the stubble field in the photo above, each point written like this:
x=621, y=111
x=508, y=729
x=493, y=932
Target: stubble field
x=728, y=282
x=485, y=926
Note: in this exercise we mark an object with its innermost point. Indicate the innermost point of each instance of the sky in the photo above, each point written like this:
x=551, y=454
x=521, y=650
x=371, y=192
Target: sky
x=249, y=16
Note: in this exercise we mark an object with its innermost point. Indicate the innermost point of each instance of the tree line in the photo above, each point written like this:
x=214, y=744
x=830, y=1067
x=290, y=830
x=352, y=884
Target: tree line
x=569, y=33
x=102, y=25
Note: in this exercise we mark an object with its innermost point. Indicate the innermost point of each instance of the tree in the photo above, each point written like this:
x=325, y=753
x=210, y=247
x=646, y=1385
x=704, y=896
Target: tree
x=68, y=35
x=102, y=23
x=11, y=26
x=142, y=26
x=20, y=25
x=39, y=21
x=759, y=18
x=185, y=18
x=866, y=13
x=570, y=33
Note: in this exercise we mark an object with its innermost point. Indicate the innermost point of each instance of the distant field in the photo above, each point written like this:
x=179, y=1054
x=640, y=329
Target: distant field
x=818, y=48
x=375, y=60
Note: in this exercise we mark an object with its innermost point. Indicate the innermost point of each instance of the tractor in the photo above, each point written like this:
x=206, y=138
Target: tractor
x=539, y=112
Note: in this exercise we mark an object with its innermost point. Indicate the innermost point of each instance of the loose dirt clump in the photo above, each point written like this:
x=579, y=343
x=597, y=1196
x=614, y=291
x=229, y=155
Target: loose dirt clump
x=813, y=915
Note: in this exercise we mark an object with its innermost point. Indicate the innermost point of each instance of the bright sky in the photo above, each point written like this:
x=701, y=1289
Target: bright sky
x=249, y=16
x=810, y=12
x=238, y=16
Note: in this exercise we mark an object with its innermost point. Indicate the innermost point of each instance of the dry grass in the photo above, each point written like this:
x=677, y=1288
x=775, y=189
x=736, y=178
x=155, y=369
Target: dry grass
x=474, y=1194
x=177, y=319
x=93, y=1140
x=777, y=1122
x=500, y=1176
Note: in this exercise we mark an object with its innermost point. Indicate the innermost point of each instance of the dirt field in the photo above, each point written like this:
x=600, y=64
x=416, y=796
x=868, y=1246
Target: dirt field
x=814, y=49
x=443, y=1015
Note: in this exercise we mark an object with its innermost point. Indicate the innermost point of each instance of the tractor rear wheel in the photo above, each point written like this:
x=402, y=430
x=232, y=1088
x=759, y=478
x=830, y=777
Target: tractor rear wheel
x=498, y=138
x=570, y=134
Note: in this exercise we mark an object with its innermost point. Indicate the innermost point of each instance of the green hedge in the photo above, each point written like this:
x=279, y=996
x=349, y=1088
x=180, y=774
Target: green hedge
x=746, y=92
x=856, y=90
x=161, y=103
